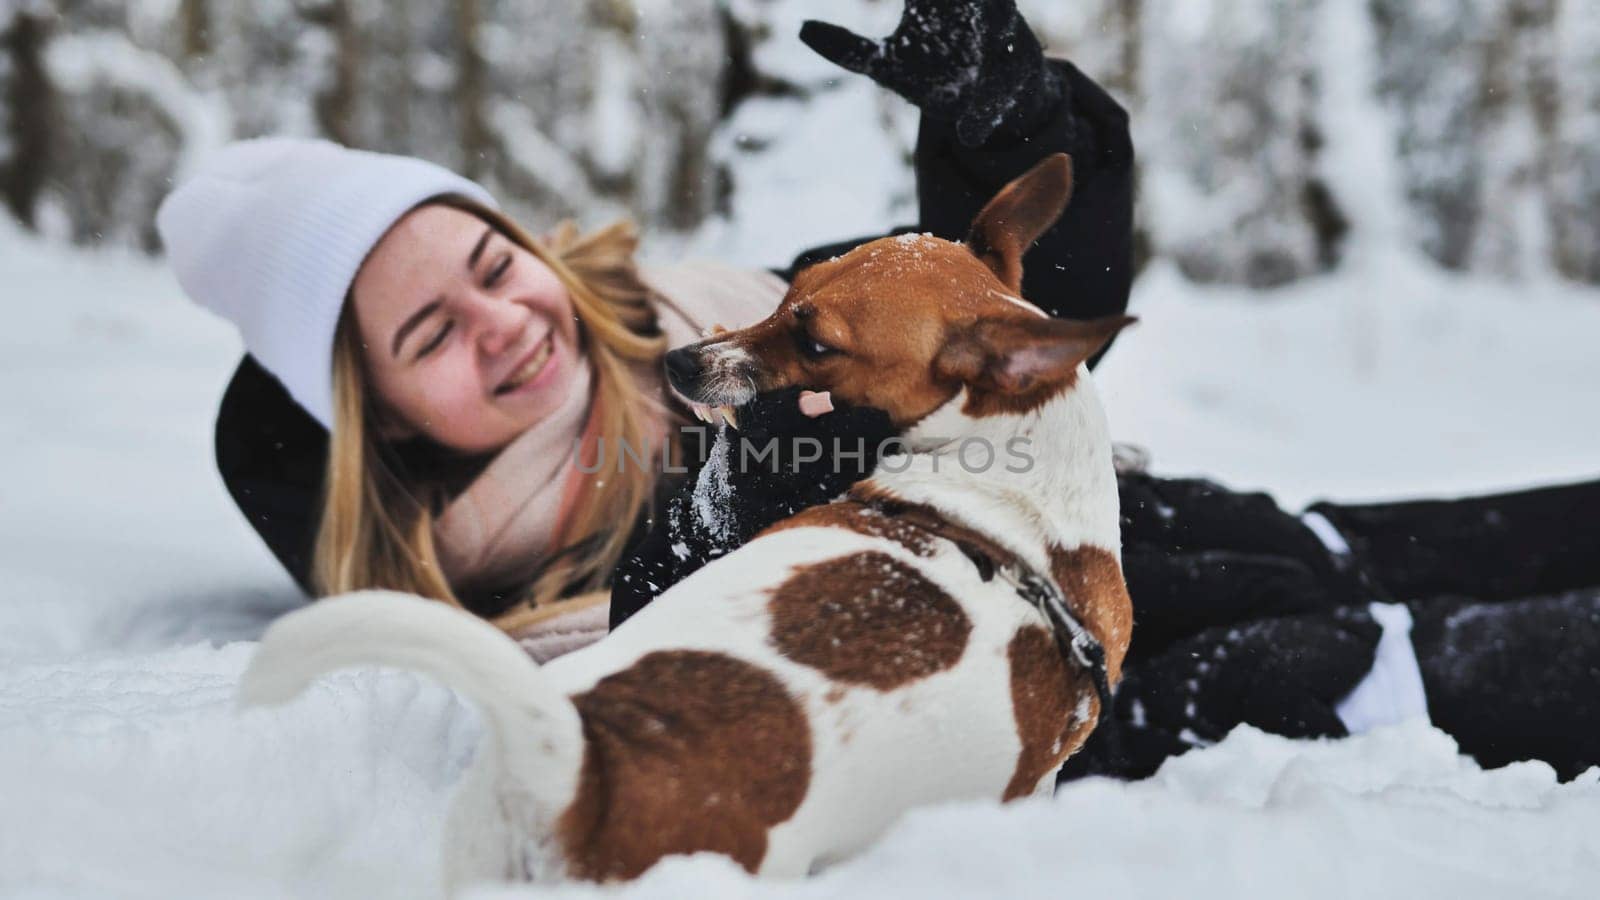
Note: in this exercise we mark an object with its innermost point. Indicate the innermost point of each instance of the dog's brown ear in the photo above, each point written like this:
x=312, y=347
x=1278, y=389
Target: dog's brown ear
x=1017, y=355
x=1015, y=218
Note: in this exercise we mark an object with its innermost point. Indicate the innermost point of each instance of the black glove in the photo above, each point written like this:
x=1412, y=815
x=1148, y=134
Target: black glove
x=779, y=462
x=972, y=63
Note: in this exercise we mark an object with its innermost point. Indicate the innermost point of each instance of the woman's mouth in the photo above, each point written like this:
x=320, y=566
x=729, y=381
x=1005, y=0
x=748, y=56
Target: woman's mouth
x=531, y=368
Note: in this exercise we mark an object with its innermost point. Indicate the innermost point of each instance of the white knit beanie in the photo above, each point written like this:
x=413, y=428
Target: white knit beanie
x=269, y=234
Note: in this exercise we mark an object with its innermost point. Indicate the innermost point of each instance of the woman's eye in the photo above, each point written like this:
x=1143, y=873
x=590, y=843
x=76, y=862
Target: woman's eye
x=501, y=267
x=434, y=342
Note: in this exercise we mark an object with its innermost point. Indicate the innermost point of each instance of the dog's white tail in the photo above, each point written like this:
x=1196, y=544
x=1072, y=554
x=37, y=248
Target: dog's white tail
x=534, y=743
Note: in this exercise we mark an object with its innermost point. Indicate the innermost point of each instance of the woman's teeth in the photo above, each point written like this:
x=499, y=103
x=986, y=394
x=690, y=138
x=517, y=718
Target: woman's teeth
x=529, y=369
x=709, y=414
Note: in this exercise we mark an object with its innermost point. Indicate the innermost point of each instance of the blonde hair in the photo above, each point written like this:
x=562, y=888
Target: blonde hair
x=378, y=516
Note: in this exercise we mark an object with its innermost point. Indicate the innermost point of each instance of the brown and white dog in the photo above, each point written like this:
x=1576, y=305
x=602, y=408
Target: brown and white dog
x=787, y=702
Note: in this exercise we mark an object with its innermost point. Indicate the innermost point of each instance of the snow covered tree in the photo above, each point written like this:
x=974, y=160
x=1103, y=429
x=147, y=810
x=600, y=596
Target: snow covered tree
x=1518, y=110
x=273, y=60
x=1099, y=36
x=599, y=108
x=604, y=106
x=1430, y=72
x=124, y=122
x=680, y=76
x=1575, y=160
x=1228, y=138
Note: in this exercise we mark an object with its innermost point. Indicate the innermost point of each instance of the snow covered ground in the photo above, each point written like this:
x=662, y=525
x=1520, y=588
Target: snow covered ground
x=133, y=591
x=1390, y=814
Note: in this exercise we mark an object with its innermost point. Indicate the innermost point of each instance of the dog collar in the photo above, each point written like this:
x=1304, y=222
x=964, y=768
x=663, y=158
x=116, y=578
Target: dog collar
x=1074, y=640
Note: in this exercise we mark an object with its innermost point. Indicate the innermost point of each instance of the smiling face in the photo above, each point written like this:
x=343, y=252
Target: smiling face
x=469, y=339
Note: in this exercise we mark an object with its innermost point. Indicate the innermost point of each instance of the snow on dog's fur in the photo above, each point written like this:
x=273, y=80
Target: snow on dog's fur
x=786, y=703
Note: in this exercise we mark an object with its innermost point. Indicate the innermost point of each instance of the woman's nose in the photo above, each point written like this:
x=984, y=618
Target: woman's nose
x=500, y=323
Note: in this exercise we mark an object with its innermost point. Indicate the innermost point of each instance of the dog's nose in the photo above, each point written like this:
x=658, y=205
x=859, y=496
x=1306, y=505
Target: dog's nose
x=682, y=369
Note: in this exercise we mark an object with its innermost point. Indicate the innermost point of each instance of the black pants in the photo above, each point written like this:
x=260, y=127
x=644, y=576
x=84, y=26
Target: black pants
x=1243, y=614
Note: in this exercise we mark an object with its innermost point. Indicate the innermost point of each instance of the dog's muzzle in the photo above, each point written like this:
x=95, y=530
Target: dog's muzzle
x=720, y=374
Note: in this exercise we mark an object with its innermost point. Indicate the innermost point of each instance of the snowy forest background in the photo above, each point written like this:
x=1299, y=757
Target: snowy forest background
x=1264, y=127
x=1371, y=236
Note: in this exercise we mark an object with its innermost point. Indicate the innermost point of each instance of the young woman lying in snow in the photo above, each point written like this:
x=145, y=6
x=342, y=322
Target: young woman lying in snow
x=469, y=360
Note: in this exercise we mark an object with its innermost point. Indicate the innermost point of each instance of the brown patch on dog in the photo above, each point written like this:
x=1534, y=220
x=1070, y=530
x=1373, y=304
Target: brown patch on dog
x=1091, y=579
x=867, y=619
x=687, y=751
x=1046, y=693
x=862, y=519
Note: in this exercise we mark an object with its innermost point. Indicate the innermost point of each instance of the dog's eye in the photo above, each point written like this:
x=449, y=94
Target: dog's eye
x=814, y=348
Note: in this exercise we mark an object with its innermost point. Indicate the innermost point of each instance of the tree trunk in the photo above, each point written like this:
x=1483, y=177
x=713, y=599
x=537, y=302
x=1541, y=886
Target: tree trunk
x=27, y=124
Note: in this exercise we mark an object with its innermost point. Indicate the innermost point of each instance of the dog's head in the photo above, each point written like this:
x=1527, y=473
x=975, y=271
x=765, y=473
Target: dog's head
x=906, y=323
